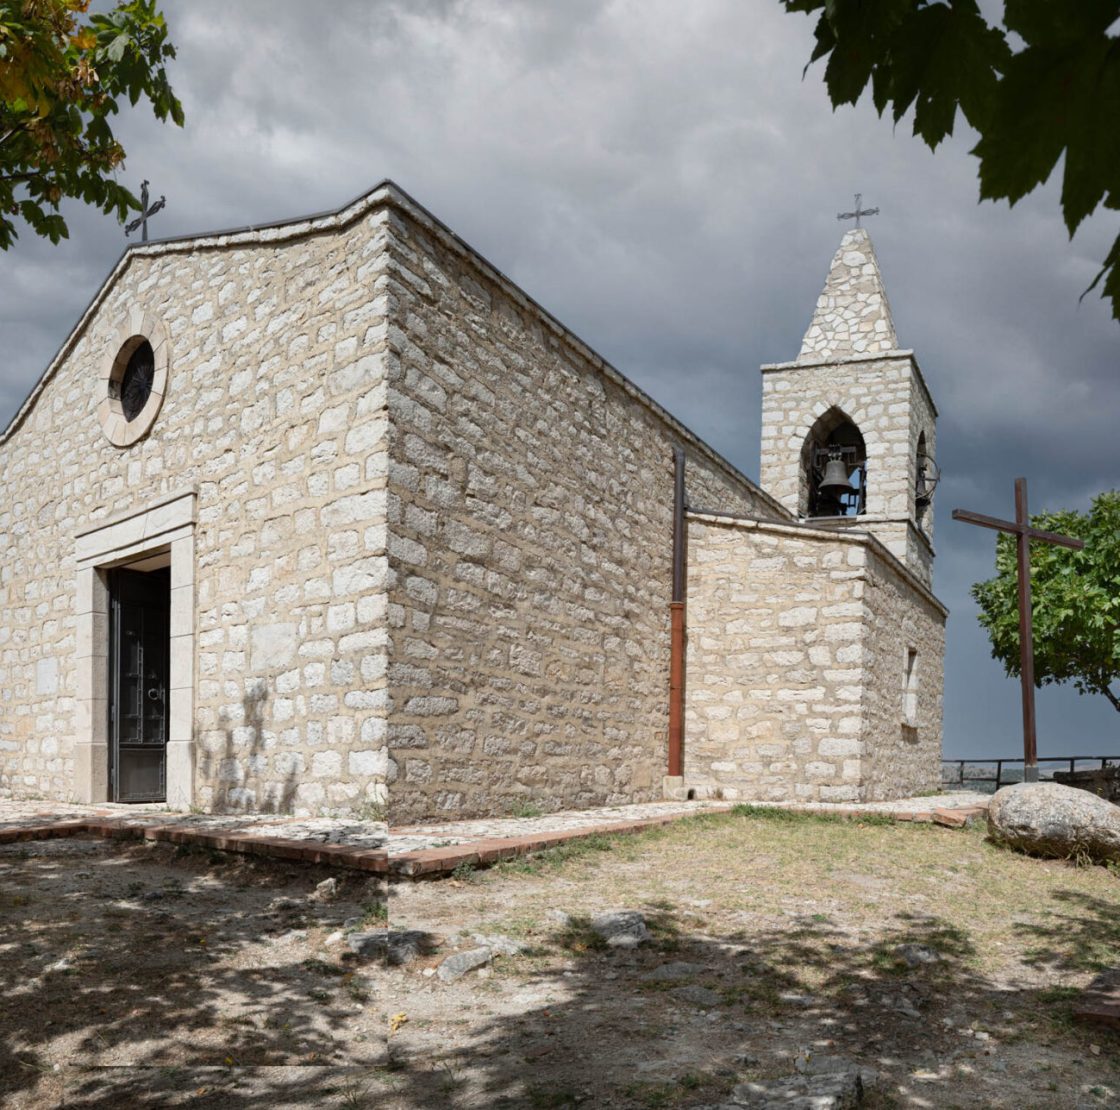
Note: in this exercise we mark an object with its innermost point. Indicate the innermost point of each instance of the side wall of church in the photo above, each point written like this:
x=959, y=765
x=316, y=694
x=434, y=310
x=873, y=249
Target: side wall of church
x=530, y=508
x=276, y=414
x=798, y=649
x=775, y=663
x=903, y=754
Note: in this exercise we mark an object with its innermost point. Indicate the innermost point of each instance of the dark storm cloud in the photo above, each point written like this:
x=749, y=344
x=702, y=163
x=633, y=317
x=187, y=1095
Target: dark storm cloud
x=659, y=177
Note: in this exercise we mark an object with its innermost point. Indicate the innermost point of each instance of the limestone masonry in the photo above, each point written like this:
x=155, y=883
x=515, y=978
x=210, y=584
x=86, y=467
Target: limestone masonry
x=330, y=517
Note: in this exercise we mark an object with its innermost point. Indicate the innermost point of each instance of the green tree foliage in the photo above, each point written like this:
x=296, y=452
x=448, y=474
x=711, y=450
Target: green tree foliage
x=62, y=77
x=1076, y=601
x=1044, y=84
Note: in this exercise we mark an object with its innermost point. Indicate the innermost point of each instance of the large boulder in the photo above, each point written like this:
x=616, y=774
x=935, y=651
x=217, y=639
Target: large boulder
x=1057, y=821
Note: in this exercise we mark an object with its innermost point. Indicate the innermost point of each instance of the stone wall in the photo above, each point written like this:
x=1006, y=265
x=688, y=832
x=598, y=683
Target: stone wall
x=276, y=414
x=794, y=669
x=902, y=755
x=530, y=511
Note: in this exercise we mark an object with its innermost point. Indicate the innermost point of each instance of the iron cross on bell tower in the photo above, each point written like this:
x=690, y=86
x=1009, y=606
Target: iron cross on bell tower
x=141, y=221
x=858, y=212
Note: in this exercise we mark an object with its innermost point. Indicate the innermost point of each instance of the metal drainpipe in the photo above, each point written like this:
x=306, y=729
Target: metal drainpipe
x=676, y=615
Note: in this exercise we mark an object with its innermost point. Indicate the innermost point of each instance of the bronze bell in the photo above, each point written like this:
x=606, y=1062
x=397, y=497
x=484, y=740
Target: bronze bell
x=836, y=477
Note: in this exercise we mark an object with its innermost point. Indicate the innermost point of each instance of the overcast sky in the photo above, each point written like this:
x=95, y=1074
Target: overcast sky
x=659, y=176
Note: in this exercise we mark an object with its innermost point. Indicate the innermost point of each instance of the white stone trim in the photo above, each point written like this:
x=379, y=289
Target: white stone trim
x=118, y=429
x=166, y=526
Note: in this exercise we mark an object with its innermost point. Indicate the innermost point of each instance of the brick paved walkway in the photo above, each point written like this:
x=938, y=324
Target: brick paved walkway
x=412, y=851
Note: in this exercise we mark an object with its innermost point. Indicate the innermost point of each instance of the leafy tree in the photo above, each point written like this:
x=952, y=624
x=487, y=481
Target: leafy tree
x=1044, y=84
x=62, y=77
x=1076, y=601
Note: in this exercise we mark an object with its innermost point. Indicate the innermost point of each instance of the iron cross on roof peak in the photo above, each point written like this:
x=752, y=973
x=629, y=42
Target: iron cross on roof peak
x=858, y=211
x=146, y=211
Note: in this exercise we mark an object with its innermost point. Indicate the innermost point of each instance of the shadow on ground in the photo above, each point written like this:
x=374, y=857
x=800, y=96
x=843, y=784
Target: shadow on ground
x=125, y=969
x=688, y=1017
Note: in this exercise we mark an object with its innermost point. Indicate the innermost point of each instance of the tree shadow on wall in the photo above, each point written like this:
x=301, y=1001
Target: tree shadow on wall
x=244, y=785
x=681, y=1021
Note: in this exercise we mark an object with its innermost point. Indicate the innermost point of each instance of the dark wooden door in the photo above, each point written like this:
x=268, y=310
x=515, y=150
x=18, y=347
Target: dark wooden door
x=139, y=664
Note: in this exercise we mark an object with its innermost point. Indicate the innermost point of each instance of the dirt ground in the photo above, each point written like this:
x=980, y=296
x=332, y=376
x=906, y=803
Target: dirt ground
x=796, y=934
x=146, y=976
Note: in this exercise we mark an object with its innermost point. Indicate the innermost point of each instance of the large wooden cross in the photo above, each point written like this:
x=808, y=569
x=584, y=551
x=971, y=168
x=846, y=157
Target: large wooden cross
x=1021, y=529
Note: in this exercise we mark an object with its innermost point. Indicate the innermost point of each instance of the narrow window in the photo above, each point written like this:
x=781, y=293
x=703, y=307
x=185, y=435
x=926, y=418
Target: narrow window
x=910, y=690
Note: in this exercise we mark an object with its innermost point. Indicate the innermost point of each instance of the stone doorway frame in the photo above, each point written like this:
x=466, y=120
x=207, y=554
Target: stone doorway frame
x=167, y=526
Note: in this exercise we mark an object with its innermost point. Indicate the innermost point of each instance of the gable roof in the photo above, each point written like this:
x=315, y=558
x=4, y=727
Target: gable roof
x=385, y=192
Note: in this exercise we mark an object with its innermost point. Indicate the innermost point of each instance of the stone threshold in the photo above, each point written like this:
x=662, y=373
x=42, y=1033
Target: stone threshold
x=420, y=852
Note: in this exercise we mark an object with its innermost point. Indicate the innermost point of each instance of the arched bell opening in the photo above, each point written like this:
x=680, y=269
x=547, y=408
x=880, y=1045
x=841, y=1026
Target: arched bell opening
x=926, y=476
x=834, y=468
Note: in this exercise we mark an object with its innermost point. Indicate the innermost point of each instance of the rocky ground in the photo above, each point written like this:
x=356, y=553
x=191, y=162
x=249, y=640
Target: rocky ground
x=725, y=961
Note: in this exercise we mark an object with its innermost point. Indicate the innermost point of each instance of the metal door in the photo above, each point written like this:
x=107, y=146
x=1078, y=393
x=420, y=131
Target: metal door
x=139, y=665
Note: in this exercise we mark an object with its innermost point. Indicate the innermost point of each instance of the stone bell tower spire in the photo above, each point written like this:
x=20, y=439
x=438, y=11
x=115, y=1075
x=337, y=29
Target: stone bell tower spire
x=852, y=317
x=849, y=427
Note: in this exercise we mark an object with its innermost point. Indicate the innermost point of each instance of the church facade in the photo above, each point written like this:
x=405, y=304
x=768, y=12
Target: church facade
x=329, y=516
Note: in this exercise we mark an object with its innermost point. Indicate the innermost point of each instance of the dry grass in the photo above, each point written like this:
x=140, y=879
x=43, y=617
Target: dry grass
x=797, y=923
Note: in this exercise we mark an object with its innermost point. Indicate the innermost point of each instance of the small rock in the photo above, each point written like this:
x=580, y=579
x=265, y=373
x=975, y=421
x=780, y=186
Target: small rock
x=698, y=996
x=673, y=972
x=324, y=891
x=284, y=905
x=835, y=1091
x=914, y=955
x=794, y=998
x=500, y=943
x=560, y=918
x=334, y=938
x=397, y=948
x=815, y=1063
x=621, y=928
x=152, y=896
x=458, y=964
x=291, y=936
x=59, y=965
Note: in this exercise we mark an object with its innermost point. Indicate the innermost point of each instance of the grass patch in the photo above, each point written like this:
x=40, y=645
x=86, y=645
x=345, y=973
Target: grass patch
x=322, y=967
x=540, y=1096
x=551, y=859
x=806, y=817
x=526, y=809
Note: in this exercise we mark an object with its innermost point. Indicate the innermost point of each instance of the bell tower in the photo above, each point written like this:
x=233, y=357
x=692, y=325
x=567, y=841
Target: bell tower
x=849, y=427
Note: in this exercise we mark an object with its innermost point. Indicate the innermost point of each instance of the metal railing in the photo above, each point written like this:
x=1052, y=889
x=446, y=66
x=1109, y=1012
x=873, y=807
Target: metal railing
x=959, y=778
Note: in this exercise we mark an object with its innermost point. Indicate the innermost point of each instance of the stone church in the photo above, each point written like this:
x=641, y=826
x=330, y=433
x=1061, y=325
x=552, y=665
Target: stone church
x=329, y=516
